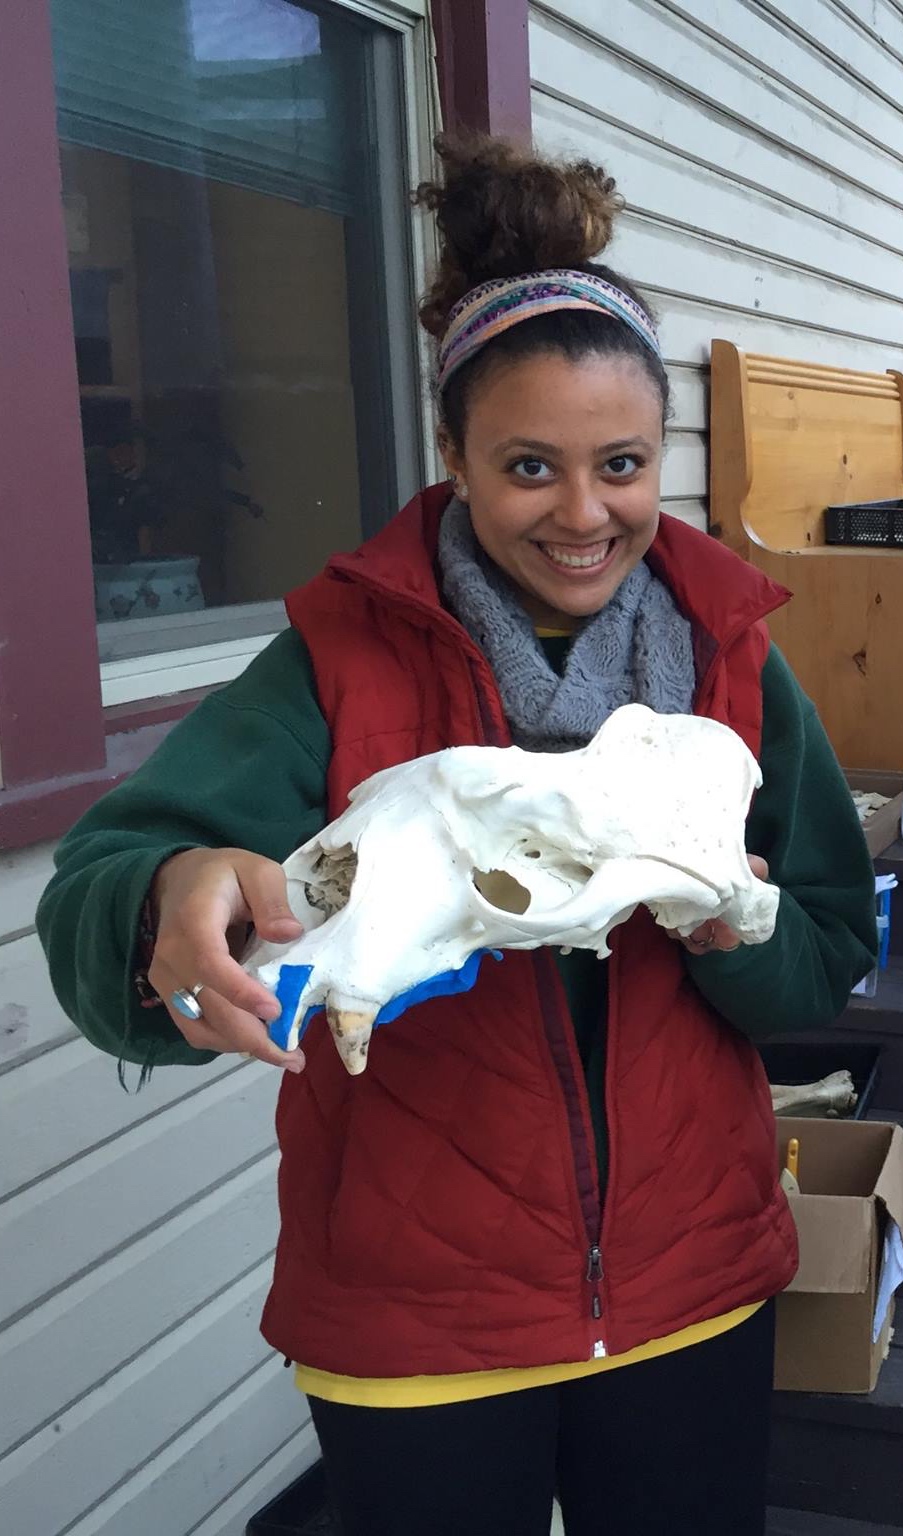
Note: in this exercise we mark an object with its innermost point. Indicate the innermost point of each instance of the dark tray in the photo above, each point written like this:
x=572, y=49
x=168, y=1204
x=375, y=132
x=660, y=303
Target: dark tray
x=301, y=1509
x=878, y=524
x=790, y=1063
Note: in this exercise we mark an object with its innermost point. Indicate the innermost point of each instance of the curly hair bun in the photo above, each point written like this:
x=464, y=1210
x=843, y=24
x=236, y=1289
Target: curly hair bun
x=502, y=210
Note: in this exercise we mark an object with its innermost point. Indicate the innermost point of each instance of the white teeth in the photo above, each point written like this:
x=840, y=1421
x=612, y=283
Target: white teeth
x=582, y=562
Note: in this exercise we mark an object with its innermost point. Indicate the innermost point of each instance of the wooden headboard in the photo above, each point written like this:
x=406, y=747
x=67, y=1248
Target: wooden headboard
x=789, y=439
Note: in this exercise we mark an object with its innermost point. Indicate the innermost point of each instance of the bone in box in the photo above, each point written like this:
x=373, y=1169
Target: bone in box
x=797, y=1062
x=883, y=826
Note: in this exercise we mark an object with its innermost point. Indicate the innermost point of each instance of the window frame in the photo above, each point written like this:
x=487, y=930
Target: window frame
x=60, y=747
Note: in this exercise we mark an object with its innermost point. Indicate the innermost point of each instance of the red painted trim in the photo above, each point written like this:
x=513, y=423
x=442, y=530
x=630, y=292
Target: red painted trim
x=483, y=64
x=47, y=810
x=50, y=711
x=168, y=708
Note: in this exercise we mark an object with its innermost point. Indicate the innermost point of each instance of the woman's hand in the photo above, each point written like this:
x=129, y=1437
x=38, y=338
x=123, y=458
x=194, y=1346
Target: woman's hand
x=715, y=934
x=203, y=900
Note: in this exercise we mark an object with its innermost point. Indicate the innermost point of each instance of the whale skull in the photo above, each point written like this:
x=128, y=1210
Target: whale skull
x=488, y=848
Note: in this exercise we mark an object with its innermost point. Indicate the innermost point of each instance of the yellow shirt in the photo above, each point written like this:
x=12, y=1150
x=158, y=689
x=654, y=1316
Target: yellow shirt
x=429, y=1391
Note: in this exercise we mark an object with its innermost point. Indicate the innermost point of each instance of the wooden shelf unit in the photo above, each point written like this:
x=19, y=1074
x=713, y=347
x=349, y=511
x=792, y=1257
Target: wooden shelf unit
x=789, y=439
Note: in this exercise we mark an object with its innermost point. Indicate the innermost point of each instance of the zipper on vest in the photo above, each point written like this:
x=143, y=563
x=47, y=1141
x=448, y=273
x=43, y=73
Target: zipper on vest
x=594, y=1271
x=582, y=1148
x=594, y=1280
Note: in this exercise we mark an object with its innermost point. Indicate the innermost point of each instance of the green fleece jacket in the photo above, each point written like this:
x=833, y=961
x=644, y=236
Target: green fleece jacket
x=247, y=768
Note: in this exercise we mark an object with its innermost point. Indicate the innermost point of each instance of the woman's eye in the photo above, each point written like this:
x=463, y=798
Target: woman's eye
x=622, y=465
x=531, y=469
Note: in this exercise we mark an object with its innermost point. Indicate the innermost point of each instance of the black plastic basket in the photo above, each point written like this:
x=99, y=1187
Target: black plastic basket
x=876, y=523
x=792, y=1063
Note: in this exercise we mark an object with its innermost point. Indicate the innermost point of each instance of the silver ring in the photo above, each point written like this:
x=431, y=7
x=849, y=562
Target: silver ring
x=186, y=1002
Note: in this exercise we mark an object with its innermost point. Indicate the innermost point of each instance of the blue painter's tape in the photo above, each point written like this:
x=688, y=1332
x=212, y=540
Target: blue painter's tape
x=294, y=978
x=292, y=981
x=447, y=984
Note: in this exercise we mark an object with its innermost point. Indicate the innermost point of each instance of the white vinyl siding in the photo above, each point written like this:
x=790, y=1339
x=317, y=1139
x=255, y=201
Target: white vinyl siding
x=760, y=149
x=136, y=1240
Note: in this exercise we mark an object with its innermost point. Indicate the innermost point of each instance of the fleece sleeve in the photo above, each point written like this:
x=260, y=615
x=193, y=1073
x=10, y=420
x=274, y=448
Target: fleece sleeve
x=246, y=769
x=804, y=823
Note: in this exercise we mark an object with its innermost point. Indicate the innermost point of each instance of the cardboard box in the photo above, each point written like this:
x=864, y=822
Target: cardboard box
x=883, y=826
x=851, y=1177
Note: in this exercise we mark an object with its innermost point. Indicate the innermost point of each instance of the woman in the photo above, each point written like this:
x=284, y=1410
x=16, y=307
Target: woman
x=535, y=1245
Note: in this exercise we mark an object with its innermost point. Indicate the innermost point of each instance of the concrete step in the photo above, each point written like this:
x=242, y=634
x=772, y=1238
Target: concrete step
x=301, y=1511
x=781, y=1522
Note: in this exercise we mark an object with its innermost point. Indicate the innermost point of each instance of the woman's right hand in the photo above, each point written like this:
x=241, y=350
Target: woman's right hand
x=203, y=899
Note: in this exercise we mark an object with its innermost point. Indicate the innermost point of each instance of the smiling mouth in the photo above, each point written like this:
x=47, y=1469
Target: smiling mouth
x=572, y=557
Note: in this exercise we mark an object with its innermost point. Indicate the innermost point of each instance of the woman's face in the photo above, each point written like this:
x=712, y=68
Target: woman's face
x=562, y=465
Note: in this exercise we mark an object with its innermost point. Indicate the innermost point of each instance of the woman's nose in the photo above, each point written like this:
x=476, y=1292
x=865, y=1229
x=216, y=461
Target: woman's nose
x=582, y=510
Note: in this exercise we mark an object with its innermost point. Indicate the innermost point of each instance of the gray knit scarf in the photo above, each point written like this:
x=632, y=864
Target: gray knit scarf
x=636, y=650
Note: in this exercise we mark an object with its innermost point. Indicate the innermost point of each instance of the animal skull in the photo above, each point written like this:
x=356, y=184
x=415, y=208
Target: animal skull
x=477, y=849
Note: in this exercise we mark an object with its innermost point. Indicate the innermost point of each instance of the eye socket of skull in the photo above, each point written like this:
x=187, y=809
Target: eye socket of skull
x=501, y=890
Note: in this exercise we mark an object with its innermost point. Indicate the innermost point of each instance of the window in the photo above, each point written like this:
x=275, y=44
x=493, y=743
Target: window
x=60, y=747
x=234, y=183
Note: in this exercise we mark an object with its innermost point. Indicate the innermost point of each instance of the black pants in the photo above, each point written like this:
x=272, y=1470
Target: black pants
x=671, y=1447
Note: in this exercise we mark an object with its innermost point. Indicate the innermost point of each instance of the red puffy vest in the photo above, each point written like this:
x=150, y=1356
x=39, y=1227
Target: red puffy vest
x=441, y=1212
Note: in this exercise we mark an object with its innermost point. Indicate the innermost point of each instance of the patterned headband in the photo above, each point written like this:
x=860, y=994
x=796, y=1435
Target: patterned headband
x=495, y=306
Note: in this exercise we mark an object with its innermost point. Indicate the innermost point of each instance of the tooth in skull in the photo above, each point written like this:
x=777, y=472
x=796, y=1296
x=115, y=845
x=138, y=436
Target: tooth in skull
x=351, y=1025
